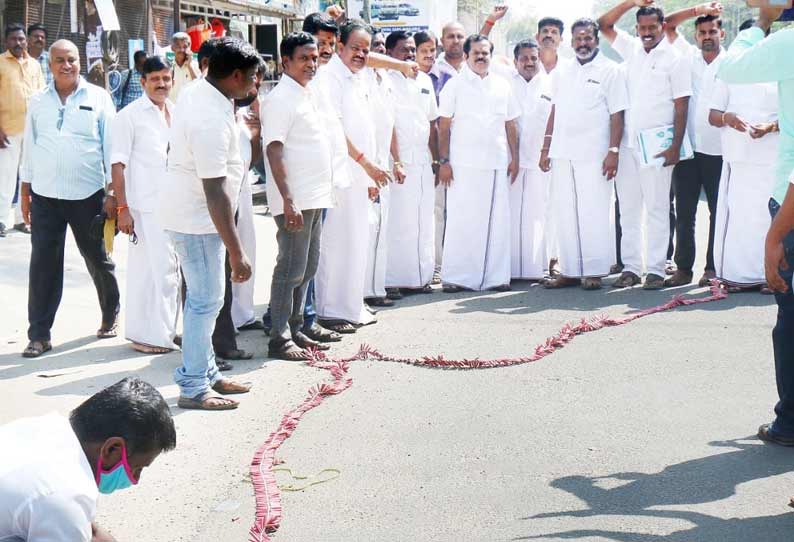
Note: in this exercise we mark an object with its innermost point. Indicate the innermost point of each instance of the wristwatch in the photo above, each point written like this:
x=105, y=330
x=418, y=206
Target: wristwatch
x=616, y=150
x=442, y=161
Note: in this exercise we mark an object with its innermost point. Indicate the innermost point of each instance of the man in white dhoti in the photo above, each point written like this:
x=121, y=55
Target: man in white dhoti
x=410, y=256
x=532, y=90
x=341, y=274
x=660, y=84
x=139, y=155
x=583, y=138
x=748, y=116
x=478, y=150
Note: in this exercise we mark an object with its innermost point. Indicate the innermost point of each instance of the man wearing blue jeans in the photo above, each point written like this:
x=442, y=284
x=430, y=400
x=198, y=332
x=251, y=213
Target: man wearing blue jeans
x=205, y=171
x=755, y=58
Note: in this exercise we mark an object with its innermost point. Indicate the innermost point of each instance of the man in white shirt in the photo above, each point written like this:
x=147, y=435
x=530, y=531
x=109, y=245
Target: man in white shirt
x=585, y=129
x=532, y=90
x=478, y=152
x=410, y=261
x=52, y=469
x=660, y=84
x=138, y=158
x=300, y=191
x=549, y=38
x=198, y=199
x=702, y=172
x=185, y=68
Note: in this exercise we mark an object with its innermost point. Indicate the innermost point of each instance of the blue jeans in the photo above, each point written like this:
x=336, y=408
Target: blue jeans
x=201, y=258
x=783, y=342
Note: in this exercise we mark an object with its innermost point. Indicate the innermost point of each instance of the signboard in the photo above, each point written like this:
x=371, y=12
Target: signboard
x=388, y=15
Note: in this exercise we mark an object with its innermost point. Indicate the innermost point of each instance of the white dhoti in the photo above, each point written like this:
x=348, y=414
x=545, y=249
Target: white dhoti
x=440, y=218
x=549, y=227
x=153, y=285
x=340, y=278
x=377, y=253
x=243, y=292
x=582, y=208
x=10, y=158
x=644, y=195
x=412, y=229
x=742, y=222
x=477, y=235
x=528, y=220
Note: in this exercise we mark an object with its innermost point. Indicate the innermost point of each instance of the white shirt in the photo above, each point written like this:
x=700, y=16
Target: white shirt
x=415, y=108
x=755, y=104
x=293, y=117
x=585, y=96
x=47, y=488
x=140, y=142
x=182, y=77
x=705, y=138
x=204, y=144
x=535, y=99
x=479, y=108
x=655, y=79
x=383, y=103
x=343, y=174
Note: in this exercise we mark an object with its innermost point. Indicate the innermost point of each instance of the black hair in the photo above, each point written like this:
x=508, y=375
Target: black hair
x=475, y=38
x=37, y=27
x=317, y=22
x=230, y=55
x=396, y=37
x=292, y=41
x=137, y=56
x=651, y=10
x=423, y=37
x=746, y=24
x=131, y=409
x=206, y=49
x=551, y=21
x=351, y=26
x=585, y=22
x=154, y=64
x=14, y=27
x=524, y=44
x=707, y=19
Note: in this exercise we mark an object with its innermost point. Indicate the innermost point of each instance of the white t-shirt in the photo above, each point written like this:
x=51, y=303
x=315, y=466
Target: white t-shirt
x=585, y=96
x=47, y=488
x=415, y=108
x=292, y=115
x=535, y=99
x=479, y=108
x=204, y=144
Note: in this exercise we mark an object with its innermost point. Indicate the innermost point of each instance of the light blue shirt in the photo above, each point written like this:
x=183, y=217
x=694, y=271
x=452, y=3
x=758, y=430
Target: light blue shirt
x=755, y=59
x=67, y=146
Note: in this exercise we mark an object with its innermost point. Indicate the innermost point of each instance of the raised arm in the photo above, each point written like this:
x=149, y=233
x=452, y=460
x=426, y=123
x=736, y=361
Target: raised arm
x=497, y=13
x=608, y=20
x=676, y=18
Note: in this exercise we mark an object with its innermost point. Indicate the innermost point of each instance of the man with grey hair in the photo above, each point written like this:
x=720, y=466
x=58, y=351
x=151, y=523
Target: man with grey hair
x=185, y=68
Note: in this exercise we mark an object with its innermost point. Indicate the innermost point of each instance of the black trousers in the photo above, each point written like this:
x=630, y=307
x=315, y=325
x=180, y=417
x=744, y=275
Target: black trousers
x=702, y=171
x=224, y=338
x=49, y=218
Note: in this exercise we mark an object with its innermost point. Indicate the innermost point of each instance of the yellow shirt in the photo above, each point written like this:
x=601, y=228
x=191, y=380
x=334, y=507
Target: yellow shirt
x=19, y=80
x=181, y=78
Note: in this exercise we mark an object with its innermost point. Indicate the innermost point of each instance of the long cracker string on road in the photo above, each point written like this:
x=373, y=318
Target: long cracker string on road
x=268, y=496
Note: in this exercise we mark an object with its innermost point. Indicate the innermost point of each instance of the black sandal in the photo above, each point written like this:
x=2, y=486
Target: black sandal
x=339, y=326
x=318, y=333
x=287, y=351
x=36, y=348
x=379, y=302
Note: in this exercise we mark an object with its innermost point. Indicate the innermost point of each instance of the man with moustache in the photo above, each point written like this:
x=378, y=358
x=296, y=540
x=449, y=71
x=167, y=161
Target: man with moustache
x=37, y=48
x=478, y=152
x=660, y=84
x=140, y=152
x=185, y=69
x=410, y=260
x=70, y=119
x=549, y=38
x=703, y=171
x=581, y=148
x=532, y=90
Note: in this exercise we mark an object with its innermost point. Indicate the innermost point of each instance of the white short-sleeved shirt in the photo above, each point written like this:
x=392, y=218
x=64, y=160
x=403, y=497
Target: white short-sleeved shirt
x=705, y=138
x=140, y=142
x=479, y=108
x=535, y=99
x=585, y=96
x=755, y=104
x=655, y=79
x=292, y=115
x=343, y=173
x=415, y=108
x=47, y=488
x=204, y=144
x=382, y=93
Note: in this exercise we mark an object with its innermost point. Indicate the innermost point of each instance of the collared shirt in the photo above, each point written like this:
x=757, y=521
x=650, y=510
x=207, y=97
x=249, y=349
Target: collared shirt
x=47, y=487
x=479, y=108
x=66, y=152
x=753, y=59
x=441, y=72
x=655, y=79
x=383, y=102
x=44, y=62
x=140, y=142
x=705, y=138
x=19, y=80
x=204, y=143
x=343, y=173
x=182, y=77
x=585, y=97
x=295, y=119
x=535, y=98
x=415, y=108
x=128, y=88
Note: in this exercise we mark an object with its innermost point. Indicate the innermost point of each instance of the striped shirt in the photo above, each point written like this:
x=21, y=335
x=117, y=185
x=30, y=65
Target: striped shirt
x=44, y=62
